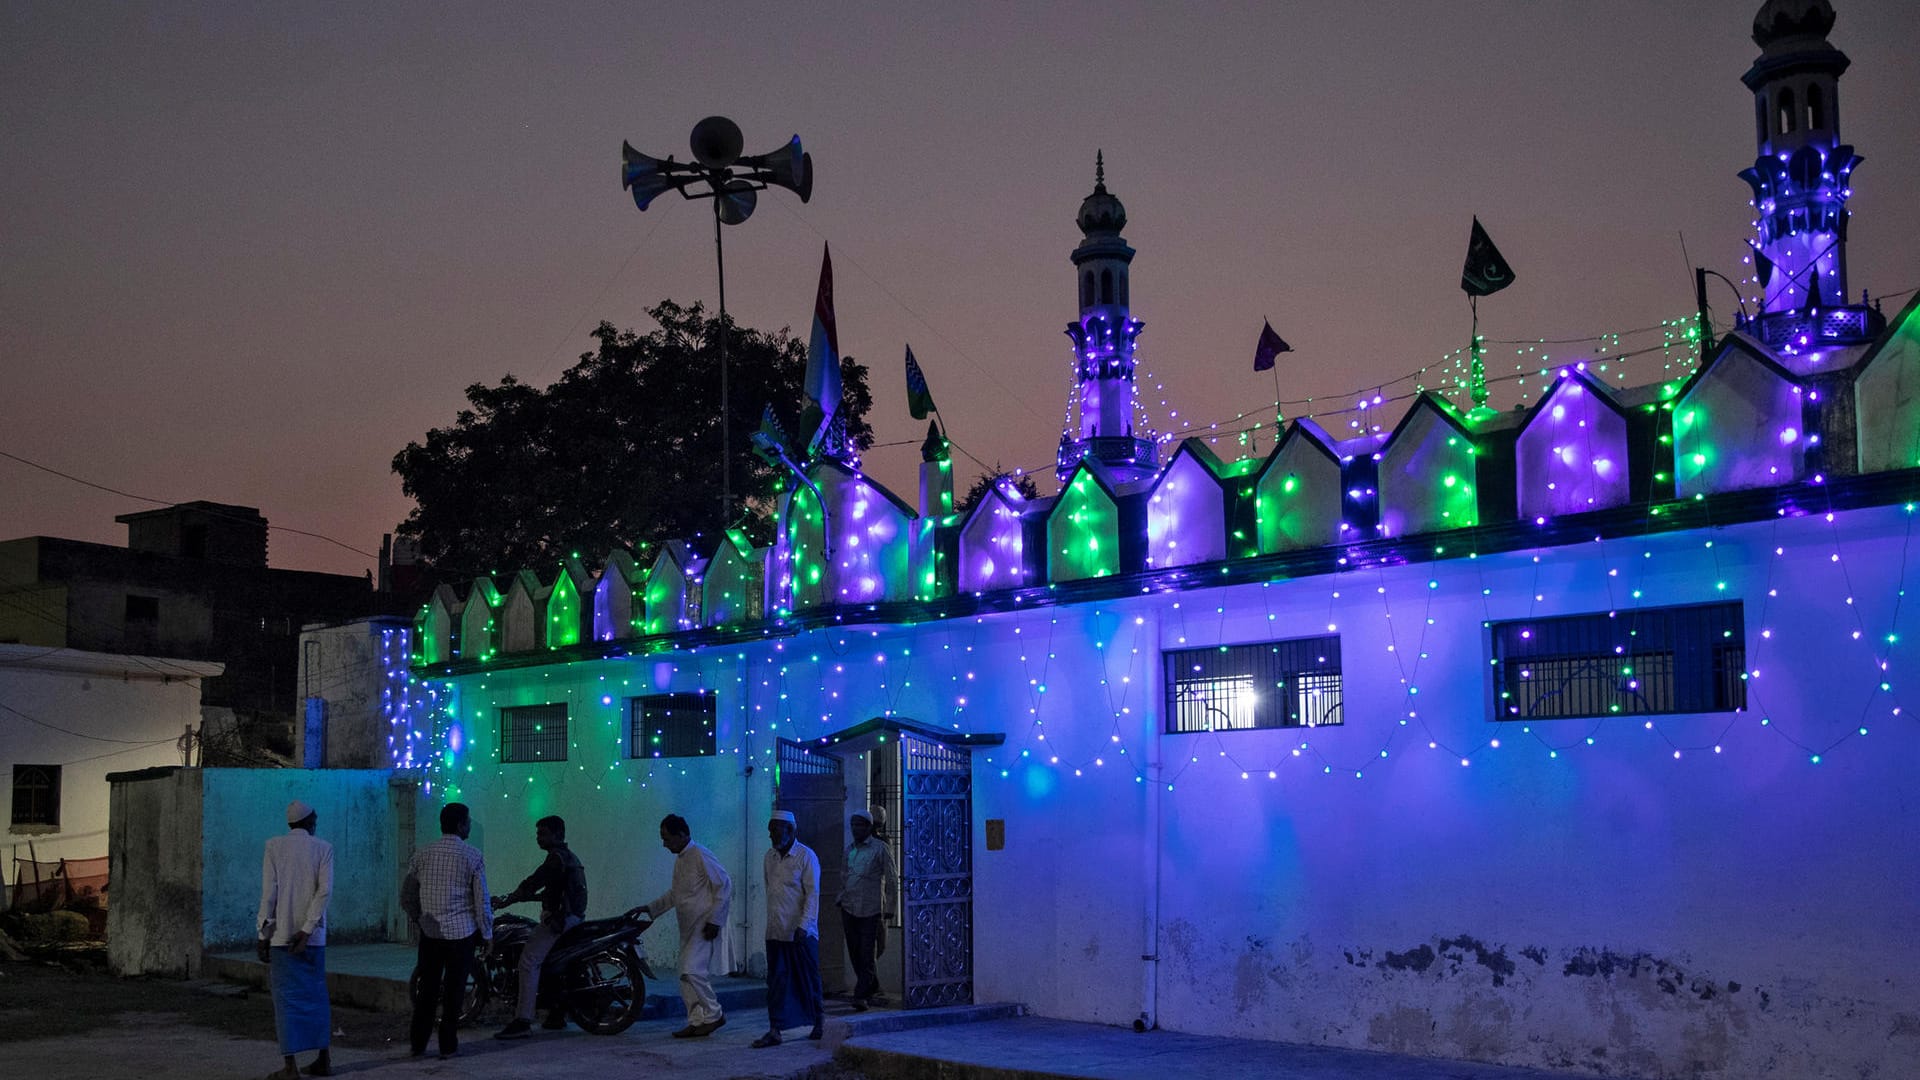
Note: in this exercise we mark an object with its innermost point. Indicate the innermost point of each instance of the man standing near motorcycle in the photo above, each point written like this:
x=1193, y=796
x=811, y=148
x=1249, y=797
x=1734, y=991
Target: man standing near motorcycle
x=445, y=893
x=700, y=897
x=560, y=884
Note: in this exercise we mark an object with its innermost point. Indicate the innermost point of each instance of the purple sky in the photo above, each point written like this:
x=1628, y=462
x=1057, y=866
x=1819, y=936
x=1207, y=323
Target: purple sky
x=248, y=252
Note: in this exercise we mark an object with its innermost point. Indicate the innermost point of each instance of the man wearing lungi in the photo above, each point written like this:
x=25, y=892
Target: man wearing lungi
x=296, y=880
x=793, y=933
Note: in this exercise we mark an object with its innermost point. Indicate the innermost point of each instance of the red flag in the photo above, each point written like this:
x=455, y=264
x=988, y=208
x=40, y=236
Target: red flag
x=1269, y=347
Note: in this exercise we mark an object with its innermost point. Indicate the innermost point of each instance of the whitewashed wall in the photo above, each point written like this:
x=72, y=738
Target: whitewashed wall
x=91, y=714
x=1612, y=908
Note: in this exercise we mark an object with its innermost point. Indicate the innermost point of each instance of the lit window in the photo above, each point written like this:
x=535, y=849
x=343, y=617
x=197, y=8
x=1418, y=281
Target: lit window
x=1273, y=684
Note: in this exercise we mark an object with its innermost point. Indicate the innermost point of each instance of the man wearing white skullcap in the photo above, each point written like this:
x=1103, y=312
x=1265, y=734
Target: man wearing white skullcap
x=793, y=933
x=296, y=881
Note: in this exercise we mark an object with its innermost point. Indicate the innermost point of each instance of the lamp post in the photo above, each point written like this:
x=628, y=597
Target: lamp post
x=720, y=173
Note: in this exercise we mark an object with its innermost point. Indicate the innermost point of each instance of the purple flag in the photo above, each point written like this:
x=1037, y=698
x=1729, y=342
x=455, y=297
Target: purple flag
x=1269, y=347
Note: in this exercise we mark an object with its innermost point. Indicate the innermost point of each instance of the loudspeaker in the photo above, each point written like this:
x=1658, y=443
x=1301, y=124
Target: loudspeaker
x=789, y=167
x=645, y=176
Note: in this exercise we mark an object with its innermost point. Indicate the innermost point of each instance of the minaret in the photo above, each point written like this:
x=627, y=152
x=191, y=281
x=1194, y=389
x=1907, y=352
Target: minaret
x=1103, y=341
x=1801, y=181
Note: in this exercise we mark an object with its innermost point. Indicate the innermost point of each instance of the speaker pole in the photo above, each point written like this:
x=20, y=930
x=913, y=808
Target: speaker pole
x=726, y=413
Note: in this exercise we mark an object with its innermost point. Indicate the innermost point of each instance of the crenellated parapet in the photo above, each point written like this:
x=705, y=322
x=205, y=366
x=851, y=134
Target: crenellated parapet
x=1428, y=476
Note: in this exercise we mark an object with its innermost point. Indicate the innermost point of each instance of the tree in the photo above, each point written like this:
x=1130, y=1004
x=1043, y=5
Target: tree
x=981, y=484
x=623, y=450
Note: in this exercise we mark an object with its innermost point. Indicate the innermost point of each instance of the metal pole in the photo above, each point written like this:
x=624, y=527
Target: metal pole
x=1700, y=304
x=726, y=423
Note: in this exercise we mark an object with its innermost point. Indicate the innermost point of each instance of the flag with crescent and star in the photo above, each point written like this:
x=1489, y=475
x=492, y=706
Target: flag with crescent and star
x=1269, y=346
x=919, y=398
x=1486, y=271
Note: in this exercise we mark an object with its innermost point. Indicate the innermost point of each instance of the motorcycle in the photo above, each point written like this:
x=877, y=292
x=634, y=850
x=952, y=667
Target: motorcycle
x=596, y=972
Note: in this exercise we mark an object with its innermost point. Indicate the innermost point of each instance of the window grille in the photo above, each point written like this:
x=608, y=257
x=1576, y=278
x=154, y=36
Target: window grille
x=533, y=733
x=671, y=725
x=1273, y=684
x=36, y=795
x=1628, y=663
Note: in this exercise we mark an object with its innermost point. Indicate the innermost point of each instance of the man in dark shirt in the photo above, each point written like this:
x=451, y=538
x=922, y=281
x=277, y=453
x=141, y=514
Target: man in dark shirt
x=560, y=884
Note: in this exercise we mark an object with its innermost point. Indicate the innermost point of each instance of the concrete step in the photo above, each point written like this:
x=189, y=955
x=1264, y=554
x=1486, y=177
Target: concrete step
x=663, y=996
x=840, y=1028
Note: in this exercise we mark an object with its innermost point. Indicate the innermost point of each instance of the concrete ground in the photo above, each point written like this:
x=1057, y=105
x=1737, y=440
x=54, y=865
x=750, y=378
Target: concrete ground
x=63, y=1023
x=1030, y=1047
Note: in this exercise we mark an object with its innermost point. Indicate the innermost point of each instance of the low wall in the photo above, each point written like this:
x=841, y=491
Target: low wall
x=186, y=846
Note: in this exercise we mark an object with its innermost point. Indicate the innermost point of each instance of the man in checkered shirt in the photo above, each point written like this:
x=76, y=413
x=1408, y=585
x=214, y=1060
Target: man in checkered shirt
x=445, y=892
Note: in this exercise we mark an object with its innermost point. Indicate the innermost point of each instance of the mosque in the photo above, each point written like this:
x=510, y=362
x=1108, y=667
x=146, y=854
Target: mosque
x=1577, y=737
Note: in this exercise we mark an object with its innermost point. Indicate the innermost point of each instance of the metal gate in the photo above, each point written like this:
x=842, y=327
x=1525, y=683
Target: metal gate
x=937, y=872
x=813, y=785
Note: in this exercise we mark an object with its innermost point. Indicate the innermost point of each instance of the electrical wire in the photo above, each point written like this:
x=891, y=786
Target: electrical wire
x=171, y=503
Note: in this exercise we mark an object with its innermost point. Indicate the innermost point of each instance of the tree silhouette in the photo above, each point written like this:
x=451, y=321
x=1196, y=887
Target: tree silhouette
x=622, y=450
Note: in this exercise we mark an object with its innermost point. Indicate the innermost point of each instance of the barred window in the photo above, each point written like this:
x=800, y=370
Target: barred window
x=1625, y=663
x=1244, y=687
x=671, y=725
x=36, y=795
x=533, y=733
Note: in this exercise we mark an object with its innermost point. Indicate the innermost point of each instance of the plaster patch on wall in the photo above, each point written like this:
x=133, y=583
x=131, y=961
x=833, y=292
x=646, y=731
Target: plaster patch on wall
x=1402, y=1030
x=1180, y=936
x=1481, y=1026
x=1250, y=975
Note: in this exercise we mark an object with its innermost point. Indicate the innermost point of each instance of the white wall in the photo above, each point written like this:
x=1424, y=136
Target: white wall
x=91, y=714
x=1607, y=907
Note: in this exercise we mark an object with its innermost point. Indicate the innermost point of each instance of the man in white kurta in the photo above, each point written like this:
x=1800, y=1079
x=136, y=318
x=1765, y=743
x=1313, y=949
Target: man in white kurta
x=296, y=881
x=700, y=897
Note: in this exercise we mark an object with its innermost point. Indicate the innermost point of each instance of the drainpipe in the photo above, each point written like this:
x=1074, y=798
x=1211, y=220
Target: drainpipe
x=1150, y=949
x=743, y=905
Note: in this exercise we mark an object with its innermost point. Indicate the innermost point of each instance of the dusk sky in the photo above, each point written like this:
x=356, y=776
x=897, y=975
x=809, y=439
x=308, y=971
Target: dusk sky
x=248, y=252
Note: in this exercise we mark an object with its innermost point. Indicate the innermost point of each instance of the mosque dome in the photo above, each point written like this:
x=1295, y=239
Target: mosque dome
x=1783, y=20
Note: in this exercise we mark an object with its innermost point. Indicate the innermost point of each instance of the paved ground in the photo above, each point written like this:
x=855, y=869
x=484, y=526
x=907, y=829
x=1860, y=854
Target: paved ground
x=55, y=1022
x=58, y=1023
x=1031, y=1047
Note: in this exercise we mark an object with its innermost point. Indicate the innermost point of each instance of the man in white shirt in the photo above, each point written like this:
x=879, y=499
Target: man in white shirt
x=445, y=892
x=864, y=903
x=793, y=933
x=700, y=896
x=296, y=880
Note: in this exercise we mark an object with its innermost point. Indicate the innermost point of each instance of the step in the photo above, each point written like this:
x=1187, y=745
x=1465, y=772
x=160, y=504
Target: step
x=840, y=1029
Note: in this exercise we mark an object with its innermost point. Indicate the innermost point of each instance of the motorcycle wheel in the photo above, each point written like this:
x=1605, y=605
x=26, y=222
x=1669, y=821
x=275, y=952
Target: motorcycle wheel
x=472, y=1003
x=605, y=994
